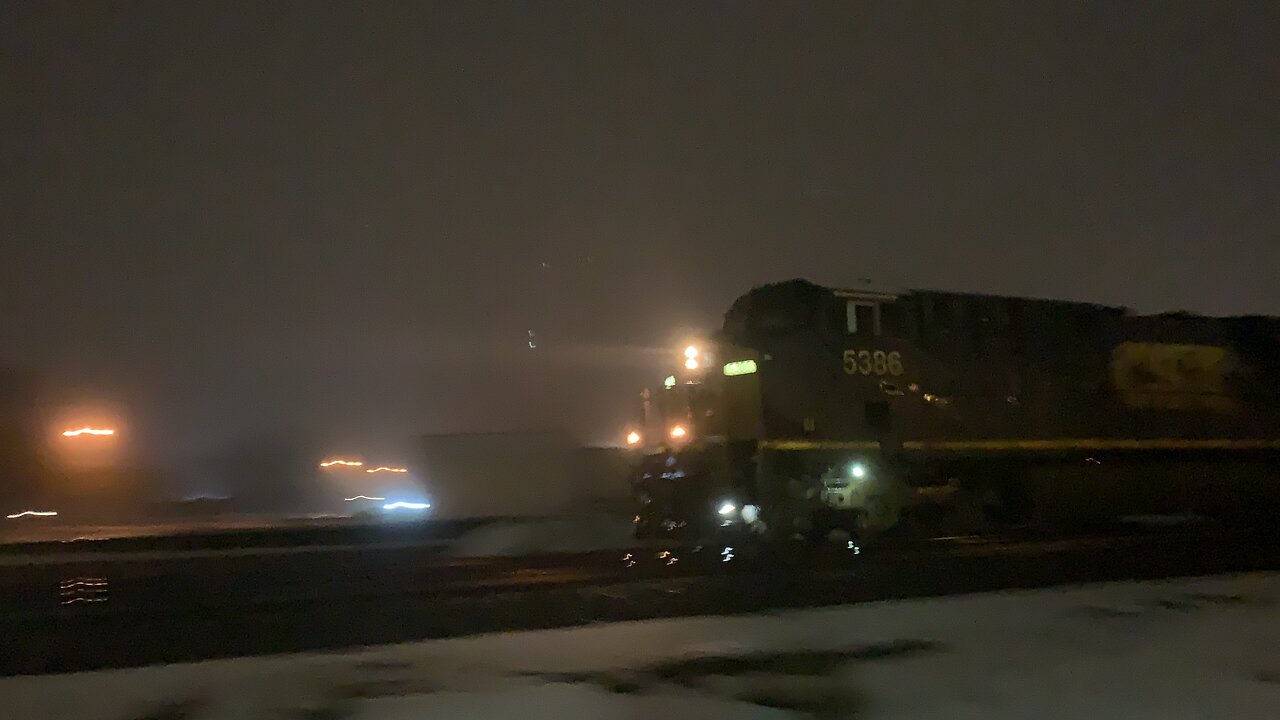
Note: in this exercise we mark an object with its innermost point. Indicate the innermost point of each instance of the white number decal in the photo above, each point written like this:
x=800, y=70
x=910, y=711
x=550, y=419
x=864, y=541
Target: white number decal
x=872, y=362
x=895, y=363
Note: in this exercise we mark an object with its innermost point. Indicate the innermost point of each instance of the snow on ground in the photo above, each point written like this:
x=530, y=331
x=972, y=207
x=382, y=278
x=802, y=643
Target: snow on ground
x=32, y=530
x=100, y=556
x=580, y=533
x=1192, y=648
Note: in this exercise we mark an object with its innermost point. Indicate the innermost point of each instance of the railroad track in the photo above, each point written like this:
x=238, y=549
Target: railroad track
x=164, y=613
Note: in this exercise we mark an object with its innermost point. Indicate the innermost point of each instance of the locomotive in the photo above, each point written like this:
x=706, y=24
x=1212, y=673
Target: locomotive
x=866, y=410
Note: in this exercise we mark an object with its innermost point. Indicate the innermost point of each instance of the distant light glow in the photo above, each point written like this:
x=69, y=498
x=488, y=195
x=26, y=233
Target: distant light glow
x=858, y=470
x=726, y=508
x=691, y=364
x=384, y=468
x=750, y=513
x=82, y=582
x=691, y=352
x=83, y=590
x=363, y=497
x=678, y=432
x=88, y=431
x=669, y=381
x=347, y=463
x=32, y=513
x=406, y=505
x=740, y=367
x=633, y=438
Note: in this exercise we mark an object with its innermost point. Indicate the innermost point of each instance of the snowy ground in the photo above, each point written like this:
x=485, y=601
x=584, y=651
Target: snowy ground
x=573, y=534
x=36, y=529
x=1201, y=648
x=531, y=536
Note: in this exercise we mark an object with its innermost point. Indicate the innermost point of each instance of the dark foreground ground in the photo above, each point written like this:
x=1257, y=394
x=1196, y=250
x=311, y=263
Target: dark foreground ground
x=121, y=609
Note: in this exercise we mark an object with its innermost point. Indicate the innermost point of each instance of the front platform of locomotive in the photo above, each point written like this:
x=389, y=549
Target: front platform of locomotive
x=684, y=485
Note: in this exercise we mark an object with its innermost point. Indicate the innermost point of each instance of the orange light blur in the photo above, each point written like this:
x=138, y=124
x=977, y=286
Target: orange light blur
x=691, y=352
x=691, y=364
x=347, y=463
x=88, y=431
x=678, y=432
x=384, y=468
x=633, y=438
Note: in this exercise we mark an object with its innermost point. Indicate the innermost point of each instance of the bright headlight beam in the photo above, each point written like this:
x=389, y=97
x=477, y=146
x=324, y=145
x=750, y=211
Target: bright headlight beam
x=384, y=468
x=32, y=513
x=727, y=508
x=858, y=470
x=88, y=431
x=406, y=505
x=347, y=463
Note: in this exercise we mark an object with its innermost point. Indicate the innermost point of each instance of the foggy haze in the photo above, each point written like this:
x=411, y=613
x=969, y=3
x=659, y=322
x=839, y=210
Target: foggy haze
x=235, y=220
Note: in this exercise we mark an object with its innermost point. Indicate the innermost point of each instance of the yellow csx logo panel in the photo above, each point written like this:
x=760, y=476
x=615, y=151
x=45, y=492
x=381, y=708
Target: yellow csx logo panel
x=1175, y=377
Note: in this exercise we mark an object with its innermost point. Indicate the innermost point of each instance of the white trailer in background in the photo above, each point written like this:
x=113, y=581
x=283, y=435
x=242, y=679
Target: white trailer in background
x=547, y=493
x=536, y=473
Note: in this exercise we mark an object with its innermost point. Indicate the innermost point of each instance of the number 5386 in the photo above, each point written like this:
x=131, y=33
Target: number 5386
x=872, y=362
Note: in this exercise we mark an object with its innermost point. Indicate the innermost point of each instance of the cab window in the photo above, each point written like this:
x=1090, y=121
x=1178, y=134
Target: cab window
x=862, y=317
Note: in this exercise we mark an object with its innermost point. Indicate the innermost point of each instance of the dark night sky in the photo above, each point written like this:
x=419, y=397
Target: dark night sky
x=238, y=217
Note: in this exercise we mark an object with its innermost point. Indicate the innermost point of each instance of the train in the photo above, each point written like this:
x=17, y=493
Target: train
x=861, y=411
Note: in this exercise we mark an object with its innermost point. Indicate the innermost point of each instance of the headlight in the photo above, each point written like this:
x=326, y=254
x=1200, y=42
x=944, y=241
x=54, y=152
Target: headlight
x=727, y=508
x=398, y=505
x=858, y=470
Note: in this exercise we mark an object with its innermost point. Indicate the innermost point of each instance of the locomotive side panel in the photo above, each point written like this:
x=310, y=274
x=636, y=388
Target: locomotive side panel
x=960, y=368
x=1076, y=410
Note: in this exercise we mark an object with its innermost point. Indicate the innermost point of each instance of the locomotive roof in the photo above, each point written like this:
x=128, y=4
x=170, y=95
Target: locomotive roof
x=805, y=293
x=800, y=288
